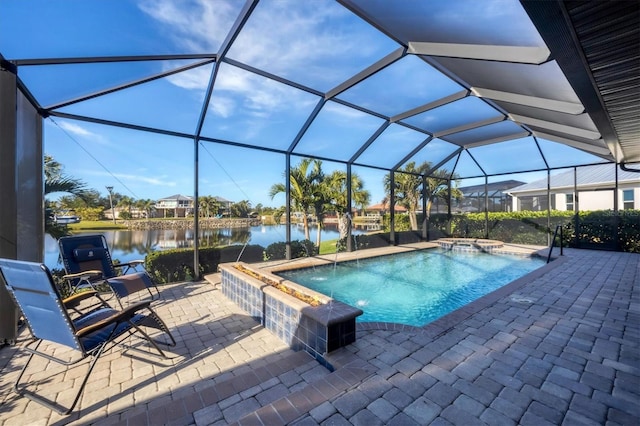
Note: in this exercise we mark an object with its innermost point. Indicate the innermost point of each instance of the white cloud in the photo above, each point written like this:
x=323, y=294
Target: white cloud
x=304, y=41
x=146, y=180
x=197, y=25
x=222, y=106
x=257, y=96
x=194, y=79
x=234, y=79
x=75, y=129
x=340, y=111
x=80, y=131
x=133, y=178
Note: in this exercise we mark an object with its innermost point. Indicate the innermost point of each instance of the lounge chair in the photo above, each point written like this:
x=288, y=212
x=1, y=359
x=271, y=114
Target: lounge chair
x=88, y=263
x=35, y=293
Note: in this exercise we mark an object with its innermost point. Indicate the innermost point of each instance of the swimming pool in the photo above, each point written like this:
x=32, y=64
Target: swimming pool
x=414, y=288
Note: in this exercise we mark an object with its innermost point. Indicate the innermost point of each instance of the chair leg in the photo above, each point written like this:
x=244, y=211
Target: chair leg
x=86, y=377
x=154, y=321
x=50, y=404
x=15, y=386
x=150, y=340
x=156, y=296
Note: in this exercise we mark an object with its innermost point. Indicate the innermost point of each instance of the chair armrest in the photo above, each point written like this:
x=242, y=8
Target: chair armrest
x=74, y=300
x=132, y=264
x=116, y=318
x=84, y=275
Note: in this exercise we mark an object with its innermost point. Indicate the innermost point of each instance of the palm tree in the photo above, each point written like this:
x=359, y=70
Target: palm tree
x=52, y=168
x=407, y=189
x=322, y=202
x=208, y=206
x=145, y=205
x=360, y=197
x=64, y=184
x=437, y=187
x=408, y=184
x=126, y=202
x=56, y=181
x=304, y=178
x=241, y=208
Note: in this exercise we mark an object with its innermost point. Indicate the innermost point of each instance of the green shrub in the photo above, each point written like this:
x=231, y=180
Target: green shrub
x=597, y=229
x=177, y=265
x=629, y=234
x=61, y=283
x=365, y=241
x=379, y=239
x=90, y=213
x=401, y=222
x=299, y=248
x=341, y=244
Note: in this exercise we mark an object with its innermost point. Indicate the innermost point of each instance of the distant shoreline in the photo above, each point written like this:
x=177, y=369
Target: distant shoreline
x=172, y=223
x=176, y=223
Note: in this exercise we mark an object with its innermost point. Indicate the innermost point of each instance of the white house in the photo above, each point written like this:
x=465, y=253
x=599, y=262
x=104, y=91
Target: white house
x=595, y=186
x=181, y=205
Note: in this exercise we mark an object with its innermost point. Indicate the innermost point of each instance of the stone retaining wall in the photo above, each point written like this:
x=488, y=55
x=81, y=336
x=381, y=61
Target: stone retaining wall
x=188, y=224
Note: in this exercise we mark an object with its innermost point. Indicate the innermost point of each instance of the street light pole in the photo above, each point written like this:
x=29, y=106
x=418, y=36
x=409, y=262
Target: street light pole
x=113, y=215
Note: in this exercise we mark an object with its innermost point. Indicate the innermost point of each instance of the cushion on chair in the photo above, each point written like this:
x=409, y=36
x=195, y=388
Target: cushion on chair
x=91, y=341
x=85, y=254
x=125, y=285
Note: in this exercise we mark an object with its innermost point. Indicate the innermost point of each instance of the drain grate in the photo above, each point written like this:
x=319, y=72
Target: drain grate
x=522, y=299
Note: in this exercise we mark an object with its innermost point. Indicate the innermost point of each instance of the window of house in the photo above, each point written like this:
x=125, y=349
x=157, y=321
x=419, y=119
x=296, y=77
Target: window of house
x=569, y=202
x=628, y=199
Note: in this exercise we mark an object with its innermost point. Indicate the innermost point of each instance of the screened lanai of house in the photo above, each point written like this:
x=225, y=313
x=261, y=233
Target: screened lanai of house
x=480, y=90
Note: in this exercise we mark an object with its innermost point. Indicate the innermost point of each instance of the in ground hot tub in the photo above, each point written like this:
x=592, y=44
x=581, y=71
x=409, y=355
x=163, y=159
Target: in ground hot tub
x=469, y=244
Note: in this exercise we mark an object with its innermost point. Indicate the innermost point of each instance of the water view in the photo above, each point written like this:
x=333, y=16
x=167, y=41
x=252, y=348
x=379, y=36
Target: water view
x=128, y=245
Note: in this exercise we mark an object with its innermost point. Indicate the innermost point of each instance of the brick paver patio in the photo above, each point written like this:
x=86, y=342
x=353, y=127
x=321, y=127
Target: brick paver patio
x=559, y=347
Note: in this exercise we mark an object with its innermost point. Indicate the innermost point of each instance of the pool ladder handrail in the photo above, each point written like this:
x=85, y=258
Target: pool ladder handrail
x=553, y=242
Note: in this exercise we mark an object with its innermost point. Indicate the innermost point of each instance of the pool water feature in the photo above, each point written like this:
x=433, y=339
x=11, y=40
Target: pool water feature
x=414, y=288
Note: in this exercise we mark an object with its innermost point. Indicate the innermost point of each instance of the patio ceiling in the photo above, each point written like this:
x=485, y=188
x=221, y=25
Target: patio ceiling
x=450, y=82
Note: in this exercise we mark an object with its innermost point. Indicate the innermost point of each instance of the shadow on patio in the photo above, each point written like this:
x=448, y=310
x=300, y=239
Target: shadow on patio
x=215, y=342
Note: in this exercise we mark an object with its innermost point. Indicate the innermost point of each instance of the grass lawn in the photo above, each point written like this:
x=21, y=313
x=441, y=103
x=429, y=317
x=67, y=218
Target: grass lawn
x=328, y=247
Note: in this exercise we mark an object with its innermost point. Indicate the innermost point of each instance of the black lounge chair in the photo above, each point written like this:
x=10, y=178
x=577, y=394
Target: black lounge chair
x=88, y=263
x=45, y=313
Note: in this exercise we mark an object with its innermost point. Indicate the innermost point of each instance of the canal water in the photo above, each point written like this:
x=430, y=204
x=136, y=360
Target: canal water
x=128, y=245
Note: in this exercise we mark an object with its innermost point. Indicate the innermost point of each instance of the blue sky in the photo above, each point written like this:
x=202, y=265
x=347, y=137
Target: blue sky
x=318, y=44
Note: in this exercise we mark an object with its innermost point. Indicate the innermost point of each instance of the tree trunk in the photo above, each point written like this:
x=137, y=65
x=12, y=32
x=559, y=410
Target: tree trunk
x=343, y=225
x=319, y=235
x=305, y=225
x=413, y=221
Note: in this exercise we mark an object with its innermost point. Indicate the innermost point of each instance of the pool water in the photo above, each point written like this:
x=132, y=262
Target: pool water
x=414, y=288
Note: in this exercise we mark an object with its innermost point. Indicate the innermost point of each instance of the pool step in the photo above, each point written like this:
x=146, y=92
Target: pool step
x=286, y=390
